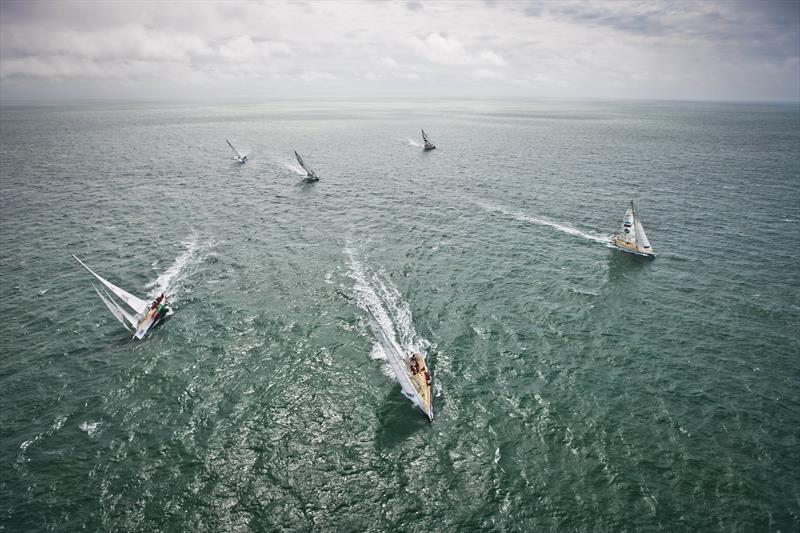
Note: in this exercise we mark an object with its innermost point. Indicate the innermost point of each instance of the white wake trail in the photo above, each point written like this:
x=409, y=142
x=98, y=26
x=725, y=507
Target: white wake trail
x=376, y=293
x=294, y=168
x=561, y=227
x=411, y=142
x=596, y=237
x=169, y=280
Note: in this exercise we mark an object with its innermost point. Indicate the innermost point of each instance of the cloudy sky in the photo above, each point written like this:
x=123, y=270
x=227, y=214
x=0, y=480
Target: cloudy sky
x=710, y=50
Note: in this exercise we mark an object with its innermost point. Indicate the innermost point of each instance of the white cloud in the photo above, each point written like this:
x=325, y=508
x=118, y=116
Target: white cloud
x=710, y=50
x=487, y=74
x=243, y=48
x=387, y=61
x=448, y=50
x=316, y=76
x=407, y=75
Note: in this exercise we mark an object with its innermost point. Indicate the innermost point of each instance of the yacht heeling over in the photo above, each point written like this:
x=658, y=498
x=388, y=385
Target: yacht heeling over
x=147, y=315
x=428, y=144
x=310, y=174
x=242, y=159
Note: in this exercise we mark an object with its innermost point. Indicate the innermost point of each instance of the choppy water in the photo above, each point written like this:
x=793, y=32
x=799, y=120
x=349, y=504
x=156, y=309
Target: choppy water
x=576, y=388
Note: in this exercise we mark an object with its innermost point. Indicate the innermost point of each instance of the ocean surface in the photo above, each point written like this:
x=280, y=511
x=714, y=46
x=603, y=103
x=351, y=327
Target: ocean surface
x=577, y=388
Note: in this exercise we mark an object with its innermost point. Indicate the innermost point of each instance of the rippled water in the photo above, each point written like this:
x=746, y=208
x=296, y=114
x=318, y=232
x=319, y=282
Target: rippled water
x=576, y=388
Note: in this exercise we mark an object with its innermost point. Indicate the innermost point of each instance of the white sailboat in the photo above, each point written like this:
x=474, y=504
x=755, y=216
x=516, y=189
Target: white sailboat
x=147, y=315
x=631, y=237
x=237, y=156
x=410, y=370
x=428, y=144
x=310, y=174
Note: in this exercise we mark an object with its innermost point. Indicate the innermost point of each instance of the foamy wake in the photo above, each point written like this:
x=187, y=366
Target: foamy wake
x=596, y=237
x=412, y=142
x=374, y=291
x=297, y=169
x=169, y=281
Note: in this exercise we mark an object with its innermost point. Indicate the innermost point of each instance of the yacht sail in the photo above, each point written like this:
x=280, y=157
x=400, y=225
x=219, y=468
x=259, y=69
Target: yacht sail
x=428, y=144
x=641, y=237
x=411, y=372
x=115, y=310
x=310, y=173
x=631, y=237
x=628, y=233
x=239, y=157
x=135, y=303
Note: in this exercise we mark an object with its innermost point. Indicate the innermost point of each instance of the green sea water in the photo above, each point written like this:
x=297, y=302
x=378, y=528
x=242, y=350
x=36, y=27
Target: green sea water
x=576, y=388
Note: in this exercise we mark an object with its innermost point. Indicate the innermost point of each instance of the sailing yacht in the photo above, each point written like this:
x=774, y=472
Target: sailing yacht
x=147, y=315
x=310, y=174
x=242, y=159
x=428, y=144
x=409, y=368
x=631, y=237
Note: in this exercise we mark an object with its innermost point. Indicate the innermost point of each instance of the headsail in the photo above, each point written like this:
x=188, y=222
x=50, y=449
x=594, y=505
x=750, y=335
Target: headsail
x=235, y=151
x=132, y=320
x=642, y=242
x=135, y=303
x=310, y=172
x=425, y=137
x=116, y=310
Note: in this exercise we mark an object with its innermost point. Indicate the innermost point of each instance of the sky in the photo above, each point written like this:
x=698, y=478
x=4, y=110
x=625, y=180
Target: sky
x=698, y=50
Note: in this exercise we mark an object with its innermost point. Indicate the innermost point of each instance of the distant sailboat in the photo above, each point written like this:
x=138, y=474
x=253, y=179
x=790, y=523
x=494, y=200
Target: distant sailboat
x=238, y=157
x=632, y=238
x=310, y=174
x=410, y=370
x=147, y=315
x=428, y=144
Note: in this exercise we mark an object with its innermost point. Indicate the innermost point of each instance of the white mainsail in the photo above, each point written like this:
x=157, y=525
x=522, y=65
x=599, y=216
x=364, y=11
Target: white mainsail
x=394, y=354
x=628, y=233
x=135, y=303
